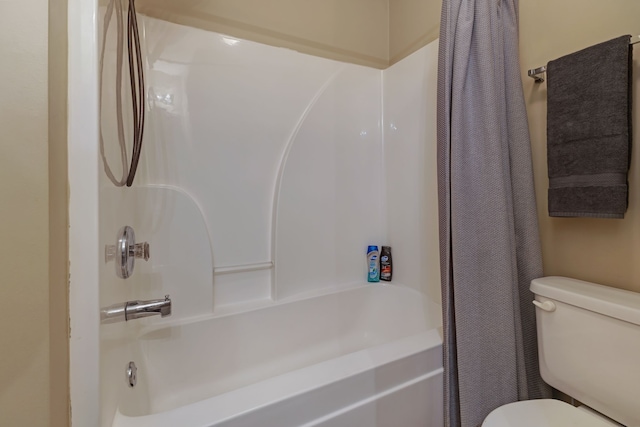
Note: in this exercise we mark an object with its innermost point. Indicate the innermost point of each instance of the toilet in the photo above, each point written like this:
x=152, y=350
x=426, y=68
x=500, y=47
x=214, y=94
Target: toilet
x=589, y=348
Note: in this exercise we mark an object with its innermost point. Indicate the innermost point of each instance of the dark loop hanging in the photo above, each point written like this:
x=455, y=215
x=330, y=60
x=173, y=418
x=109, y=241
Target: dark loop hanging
x=136, y=77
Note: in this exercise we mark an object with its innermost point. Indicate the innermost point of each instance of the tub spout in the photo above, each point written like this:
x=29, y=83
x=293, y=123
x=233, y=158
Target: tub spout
x=135, y=310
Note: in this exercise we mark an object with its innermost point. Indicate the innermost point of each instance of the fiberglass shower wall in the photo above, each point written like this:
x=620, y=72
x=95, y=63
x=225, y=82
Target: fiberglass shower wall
x=265, y=173
x=279, y=154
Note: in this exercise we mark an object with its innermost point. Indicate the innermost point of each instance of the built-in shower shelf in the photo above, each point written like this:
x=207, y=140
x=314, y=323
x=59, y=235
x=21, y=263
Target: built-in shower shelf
x=243, y=268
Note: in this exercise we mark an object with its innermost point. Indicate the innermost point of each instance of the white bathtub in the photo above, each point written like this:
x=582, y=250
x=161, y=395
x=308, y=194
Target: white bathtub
x=363, y=357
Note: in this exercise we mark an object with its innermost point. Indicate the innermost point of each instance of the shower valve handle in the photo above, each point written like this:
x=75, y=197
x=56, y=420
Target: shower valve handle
x=125, y=251
x=140, y=250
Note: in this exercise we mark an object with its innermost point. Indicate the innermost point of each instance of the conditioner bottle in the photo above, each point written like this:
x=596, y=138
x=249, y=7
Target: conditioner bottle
x=373, y=264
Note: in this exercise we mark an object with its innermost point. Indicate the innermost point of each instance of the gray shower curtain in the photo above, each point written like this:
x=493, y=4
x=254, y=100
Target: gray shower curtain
x=489, y=243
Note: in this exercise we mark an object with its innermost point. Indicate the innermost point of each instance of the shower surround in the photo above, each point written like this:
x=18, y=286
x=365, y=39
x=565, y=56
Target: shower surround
x=265, y=174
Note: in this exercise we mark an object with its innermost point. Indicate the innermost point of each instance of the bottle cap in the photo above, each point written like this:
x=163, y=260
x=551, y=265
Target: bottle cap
x=372, y=248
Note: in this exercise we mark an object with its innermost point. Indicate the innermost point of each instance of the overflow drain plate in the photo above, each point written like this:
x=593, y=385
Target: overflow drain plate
x=132, y=374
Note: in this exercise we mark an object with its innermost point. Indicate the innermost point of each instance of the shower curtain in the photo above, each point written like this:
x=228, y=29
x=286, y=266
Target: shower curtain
x=489, y=243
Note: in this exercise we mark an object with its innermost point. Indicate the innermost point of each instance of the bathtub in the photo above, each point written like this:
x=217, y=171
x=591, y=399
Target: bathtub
x=364, y=357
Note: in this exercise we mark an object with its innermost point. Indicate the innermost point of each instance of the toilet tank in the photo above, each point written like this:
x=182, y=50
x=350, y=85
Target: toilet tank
x=589, y=344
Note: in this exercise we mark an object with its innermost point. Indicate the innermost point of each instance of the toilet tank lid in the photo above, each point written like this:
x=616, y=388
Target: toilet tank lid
x=612, y=302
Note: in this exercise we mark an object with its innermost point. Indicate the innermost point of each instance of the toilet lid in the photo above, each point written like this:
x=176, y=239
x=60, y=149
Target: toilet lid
x=543, y=413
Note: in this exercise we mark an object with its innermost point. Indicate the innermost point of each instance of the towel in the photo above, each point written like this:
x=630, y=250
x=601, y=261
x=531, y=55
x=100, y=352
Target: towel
x=589, y=131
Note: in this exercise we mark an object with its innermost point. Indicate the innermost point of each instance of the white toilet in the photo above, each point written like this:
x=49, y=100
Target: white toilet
x=589, y=348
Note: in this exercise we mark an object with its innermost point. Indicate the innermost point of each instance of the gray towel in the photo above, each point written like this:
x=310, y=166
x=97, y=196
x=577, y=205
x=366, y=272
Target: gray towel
x=589, y=131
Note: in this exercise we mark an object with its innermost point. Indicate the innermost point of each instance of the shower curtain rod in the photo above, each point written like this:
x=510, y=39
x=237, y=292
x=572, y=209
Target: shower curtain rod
x=538, y=73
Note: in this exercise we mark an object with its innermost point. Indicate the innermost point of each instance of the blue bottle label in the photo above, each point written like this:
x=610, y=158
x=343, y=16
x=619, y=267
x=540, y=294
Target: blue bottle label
x=374, y=270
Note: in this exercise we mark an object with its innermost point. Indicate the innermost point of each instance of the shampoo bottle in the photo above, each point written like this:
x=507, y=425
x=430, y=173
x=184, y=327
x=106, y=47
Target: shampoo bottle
x=373, y=264
x=386, y=264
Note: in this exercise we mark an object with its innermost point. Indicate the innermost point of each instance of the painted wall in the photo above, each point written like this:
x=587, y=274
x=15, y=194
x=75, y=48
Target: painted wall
x=353, y=31
x=24, y=225
x=58, y=217
x=598, y=250
x=34, y=384
x=375, y=33
x=412, y=25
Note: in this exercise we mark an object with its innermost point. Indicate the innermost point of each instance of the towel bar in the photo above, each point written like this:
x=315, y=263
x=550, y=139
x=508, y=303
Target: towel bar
x=538, y=73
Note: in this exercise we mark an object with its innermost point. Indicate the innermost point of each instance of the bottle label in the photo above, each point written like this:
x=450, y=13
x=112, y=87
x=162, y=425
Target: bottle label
x=373, y=267
x=374, y=272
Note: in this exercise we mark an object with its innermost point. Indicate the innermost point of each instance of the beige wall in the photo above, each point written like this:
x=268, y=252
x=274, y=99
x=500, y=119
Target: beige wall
x=598, y=250
x=33, y=322
x=24, y=318
x=376, y=33
x=28, y=396
x=58, y=217
x=353, y=31
x=412, y=25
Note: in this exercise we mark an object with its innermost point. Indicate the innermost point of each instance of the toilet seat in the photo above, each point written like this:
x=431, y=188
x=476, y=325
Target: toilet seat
x=543, y=413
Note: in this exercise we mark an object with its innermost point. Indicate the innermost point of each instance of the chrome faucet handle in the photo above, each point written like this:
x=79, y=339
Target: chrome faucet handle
x=125, y=251
x=140, y=250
